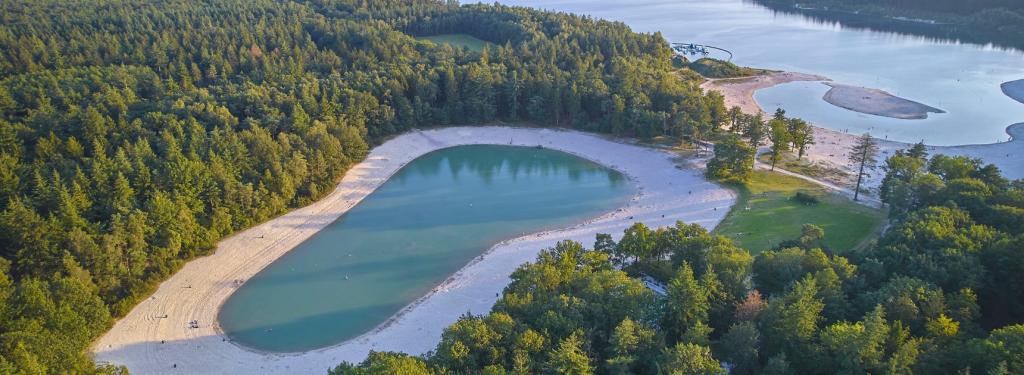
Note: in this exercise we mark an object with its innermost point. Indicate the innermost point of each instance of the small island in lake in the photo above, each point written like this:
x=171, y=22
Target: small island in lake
x=876, y=102
x=1014, y=89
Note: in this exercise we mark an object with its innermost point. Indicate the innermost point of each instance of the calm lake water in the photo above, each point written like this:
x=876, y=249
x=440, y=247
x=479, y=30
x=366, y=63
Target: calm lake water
x=962, y=79
x=431, y=218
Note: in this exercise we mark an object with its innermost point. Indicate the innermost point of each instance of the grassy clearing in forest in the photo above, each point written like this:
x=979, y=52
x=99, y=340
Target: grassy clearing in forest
x=457, y=41
x=766, y=214
x=817, y=170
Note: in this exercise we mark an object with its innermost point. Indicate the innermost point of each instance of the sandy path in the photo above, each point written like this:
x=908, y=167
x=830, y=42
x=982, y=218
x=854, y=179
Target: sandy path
x=833, y=146
x=148, y=343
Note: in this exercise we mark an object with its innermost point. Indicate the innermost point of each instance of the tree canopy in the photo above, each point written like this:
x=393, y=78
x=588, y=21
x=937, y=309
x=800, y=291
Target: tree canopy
x=939, y=292
x=134, y=135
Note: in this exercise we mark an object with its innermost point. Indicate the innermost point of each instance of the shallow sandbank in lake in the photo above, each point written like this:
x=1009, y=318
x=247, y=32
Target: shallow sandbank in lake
x=1014, y=89
x=876, y=102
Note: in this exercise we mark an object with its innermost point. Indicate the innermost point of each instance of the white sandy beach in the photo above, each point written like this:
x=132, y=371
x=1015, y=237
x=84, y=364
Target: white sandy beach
x=833, y=146
x=149, y=343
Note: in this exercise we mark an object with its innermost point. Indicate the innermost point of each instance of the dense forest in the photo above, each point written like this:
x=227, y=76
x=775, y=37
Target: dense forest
x=941, y=292
x=135, y=134
x=1000, y=22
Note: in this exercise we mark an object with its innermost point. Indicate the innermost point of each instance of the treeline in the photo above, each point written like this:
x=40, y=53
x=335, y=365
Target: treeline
x=999, y=22
x=136, y=134
x=939, y=293
x=736, y=148
x=949, y=6
x=715, y=68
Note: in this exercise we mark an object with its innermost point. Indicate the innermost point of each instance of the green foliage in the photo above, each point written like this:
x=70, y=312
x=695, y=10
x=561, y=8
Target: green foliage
x=733, y=161
x=688, y=305
x=384, y=363
x=790, y=325
x=135, y=135
x=857, y=348
x=863, y=157
x=569, y=358
x=981, y=21
x=714, y=68
x=692, y=359
x=741, y=347
x=806, y=198
x=571, y=311
x=459, y=41
x=766, y=216
x=779, y=134
x=634, y=348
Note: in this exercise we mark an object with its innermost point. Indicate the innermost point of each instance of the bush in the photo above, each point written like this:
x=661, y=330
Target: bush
x=714, y=68
x=806, y=198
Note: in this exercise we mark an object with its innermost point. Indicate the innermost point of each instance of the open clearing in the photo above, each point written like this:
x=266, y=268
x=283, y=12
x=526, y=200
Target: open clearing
x=766, y=214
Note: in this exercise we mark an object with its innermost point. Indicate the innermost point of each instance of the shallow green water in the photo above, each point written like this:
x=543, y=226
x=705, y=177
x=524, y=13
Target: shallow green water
x=430, y=219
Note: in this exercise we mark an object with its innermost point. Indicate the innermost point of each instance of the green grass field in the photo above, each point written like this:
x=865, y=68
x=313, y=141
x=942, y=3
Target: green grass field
x=765, y=215
x=458, y=41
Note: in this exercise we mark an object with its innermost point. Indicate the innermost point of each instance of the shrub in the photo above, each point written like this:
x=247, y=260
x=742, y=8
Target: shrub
x=806, y=198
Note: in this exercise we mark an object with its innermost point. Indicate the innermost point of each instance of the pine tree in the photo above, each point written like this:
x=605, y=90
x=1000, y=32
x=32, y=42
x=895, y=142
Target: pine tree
x=862, y=156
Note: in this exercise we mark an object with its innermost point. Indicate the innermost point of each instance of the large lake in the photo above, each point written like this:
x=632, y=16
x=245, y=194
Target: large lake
x=425, y=223
x=962, y=79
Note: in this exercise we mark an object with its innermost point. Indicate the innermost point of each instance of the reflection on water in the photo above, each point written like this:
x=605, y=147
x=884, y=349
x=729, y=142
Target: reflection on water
x=935, y=32
x=431, y=218
x=962, y=79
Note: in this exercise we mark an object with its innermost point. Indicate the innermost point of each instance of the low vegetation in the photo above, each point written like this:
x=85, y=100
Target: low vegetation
x=820, y=170
x=772, y=208
x=715, y=68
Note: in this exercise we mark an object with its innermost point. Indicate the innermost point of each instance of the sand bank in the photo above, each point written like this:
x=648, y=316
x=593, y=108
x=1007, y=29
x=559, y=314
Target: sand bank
x=155, y=335
x=876, y=102
x=833, y=146
x=1014, y=89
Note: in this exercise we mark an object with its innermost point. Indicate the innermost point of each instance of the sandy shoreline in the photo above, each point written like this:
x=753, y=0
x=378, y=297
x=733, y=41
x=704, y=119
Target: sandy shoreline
x=876, y=102
x=148, y=343
x=832, y=146
x=740, y=91
x=1014, y=89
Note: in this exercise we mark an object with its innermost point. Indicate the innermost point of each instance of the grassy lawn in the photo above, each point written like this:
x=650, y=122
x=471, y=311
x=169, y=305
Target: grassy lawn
x=765, y=215
x=458, y=41
x=820, y=170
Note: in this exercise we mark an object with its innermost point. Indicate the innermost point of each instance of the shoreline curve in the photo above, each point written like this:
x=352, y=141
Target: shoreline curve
x=1014, y=89
x=636, y=193
x=831, y=145
x=146, y=342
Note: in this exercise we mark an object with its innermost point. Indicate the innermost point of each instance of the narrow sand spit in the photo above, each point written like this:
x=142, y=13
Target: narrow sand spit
x=833, y=146
x=876, y=102
x=155, y=336
x=740, y=91
x=1014, y=89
